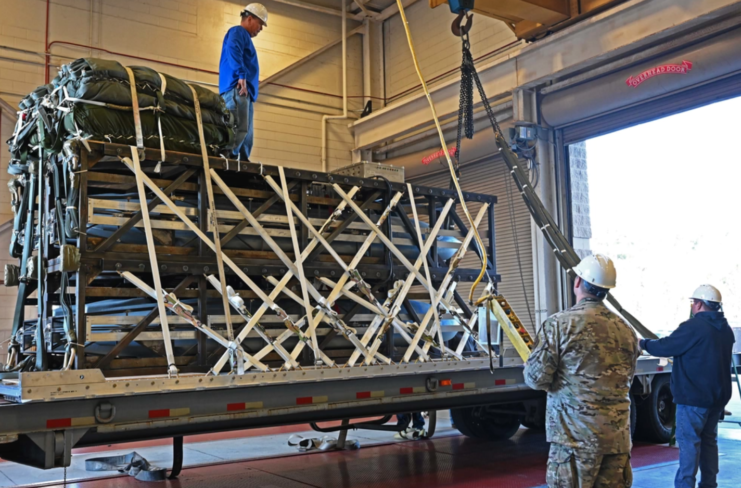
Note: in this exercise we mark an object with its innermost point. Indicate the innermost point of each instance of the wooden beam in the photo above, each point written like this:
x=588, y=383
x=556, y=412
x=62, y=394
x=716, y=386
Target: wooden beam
x=143, y=323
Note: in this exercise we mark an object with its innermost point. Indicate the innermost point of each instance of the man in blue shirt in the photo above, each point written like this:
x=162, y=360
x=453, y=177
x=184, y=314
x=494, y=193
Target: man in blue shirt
x=702, y=349
x=239, y=73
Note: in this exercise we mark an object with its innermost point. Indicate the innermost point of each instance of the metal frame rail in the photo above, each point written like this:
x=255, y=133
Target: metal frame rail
x=63, y=409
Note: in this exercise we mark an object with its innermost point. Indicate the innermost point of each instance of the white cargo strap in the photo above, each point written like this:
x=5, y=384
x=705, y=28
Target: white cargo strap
x=158, y=296
x=214, y=220
x=163, y=89
x=135, y=108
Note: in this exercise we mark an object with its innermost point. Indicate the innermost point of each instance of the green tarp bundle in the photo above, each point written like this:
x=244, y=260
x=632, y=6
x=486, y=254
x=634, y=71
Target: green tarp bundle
x=91, y=98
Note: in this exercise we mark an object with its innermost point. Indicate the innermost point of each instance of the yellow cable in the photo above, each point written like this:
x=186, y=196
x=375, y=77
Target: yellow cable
x=479, y=242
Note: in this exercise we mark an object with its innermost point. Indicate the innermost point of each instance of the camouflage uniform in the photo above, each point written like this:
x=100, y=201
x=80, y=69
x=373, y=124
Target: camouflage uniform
x=585, y=359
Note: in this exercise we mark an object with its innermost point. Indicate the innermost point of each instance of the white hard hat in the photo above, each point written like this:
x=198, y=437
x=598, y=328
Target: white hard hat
x=597, y=270
x=258, y=10
x=707, y=292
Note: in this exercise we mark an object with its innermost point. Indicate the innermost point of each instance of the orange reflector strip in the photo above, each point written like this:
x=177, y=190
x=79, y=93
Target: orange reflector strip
x=445, y=382
x=370, y=394
x=157, y=414
x=236, y=407
x=311, y=400
x=58, y=423
x=168, y=412
x=410, y=390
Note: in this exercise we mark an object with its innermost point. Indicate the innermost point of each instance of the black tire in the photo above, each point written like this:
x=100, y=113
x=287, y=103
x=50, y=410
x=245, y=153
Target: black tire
x=535, y=420
x=478, y=422
x=633, y=416
x=656, y=412
x=537, y=426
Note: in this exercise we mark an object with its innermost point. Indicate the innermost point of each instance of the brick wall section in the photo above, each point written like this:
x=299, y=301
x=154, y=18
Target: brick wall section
x=438, y=50
x=580, y=214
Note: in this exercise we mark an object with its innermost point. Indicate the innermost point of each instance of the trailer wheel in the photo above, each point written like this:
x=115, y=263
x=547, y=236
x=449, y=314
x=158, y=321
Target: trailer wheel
x=480, y=423
x=656, y=413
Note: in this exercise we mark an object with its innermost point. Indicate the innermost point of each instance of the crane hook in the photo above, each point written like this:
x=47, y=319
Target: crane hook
x=458, y=28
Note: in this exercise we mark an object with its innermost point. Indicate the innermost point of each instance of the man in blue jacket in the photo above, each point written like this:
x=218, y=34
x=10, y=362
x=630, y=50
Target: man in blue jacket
x=701, y=384
x=239, y=73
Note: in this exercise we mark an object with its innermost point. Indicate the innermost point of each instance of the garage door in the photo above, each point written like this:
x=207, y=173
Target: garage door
x=679, y=79
x=511, y=221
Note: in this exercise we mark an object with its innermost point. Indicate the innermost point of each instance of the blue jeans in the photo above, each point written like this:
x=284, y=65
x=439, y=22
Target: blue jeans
x=417, y=421
x=243, y=109
x=697, y=436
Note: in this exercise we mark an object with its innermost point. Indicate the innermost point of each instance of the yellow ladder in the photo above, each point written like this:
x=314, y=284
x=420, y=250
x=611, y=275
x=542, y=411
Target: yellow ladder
x=511, y=325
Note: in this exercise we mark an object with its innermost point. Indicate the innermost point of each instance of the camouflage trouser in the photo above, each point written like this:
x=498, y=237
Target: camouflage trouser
x=575, y=468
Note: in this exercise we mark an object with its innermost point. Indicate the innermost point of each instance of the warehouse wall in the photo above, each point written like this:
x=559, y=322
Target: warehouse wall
x=438, y=51
x=7, y=295
x=190, y=32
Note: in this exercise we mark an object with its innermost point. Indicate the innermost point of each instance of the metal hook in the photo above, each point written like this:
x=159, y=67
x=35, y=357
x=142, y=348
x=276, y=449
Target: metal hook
x=457, y=27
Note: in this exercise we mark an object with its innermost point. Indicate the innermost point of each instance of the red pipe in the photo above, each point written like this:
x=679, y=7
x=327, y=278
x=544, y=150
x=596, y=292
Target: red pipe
x=321, y=93
x=114, y=53
x=176, y=65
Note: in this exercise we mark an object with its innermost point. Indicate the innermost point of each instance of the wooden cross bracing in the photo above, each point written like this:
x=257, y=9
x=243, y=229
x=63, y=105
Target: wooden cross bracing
x=316, y=296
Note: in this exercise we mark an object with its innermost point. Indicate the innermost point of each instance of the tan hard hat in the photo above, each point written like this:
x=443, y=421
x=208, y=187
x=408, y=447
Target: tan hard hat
x=597, y=270
x=258, y=10
x=707, y=292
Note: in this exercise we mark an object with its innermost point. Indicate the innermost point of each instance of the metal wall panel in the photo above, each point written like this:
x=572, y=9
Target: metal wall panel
x=705, y=94
x=711, y=71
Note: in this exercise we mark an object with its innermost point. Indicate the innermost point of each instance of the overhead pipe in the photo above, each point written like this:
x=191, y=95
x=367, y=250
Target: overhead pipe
x=344, y=116
x=366, y=62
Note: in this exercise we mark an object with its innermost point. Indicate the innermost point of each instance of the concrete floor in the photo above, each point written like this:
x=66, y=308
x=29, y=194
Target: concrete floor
x=447, y=460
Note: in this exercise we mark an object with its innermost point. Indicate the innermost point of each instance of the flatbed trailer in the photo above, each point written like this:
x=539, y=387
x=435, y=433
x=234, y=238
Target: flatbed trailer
x=52, y=412
x=98, y=396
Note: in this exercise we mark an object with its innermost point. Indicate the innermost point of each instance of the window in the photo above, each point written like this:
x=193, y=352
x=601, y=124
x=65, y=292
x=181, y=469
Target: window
x=663, y=200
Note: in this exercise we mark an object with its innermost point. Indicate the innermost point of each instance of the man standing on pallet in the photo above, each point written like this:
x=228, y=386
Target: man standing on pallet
x=239, y=73
x=585, y=358
x=702, y=348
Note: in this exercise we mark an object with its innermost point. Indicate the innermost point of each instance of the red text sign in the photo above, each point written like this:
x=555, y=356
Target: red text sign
x=664, y=69
x=438, y=154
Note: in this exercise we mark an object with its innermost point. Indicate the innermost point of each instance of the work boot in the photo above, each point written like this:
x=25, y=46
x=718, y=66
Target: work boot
x=410, y=434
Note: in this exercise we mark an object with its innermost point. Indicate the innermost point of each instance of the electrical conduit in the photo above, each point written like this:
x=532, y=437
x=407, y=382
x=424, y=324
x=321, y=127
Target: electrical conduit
x=325, y=118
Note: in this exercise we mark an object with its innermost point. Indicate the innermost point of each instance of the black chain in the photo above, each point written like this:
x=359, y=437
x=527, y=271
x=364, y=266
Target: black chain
x=465, y=104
